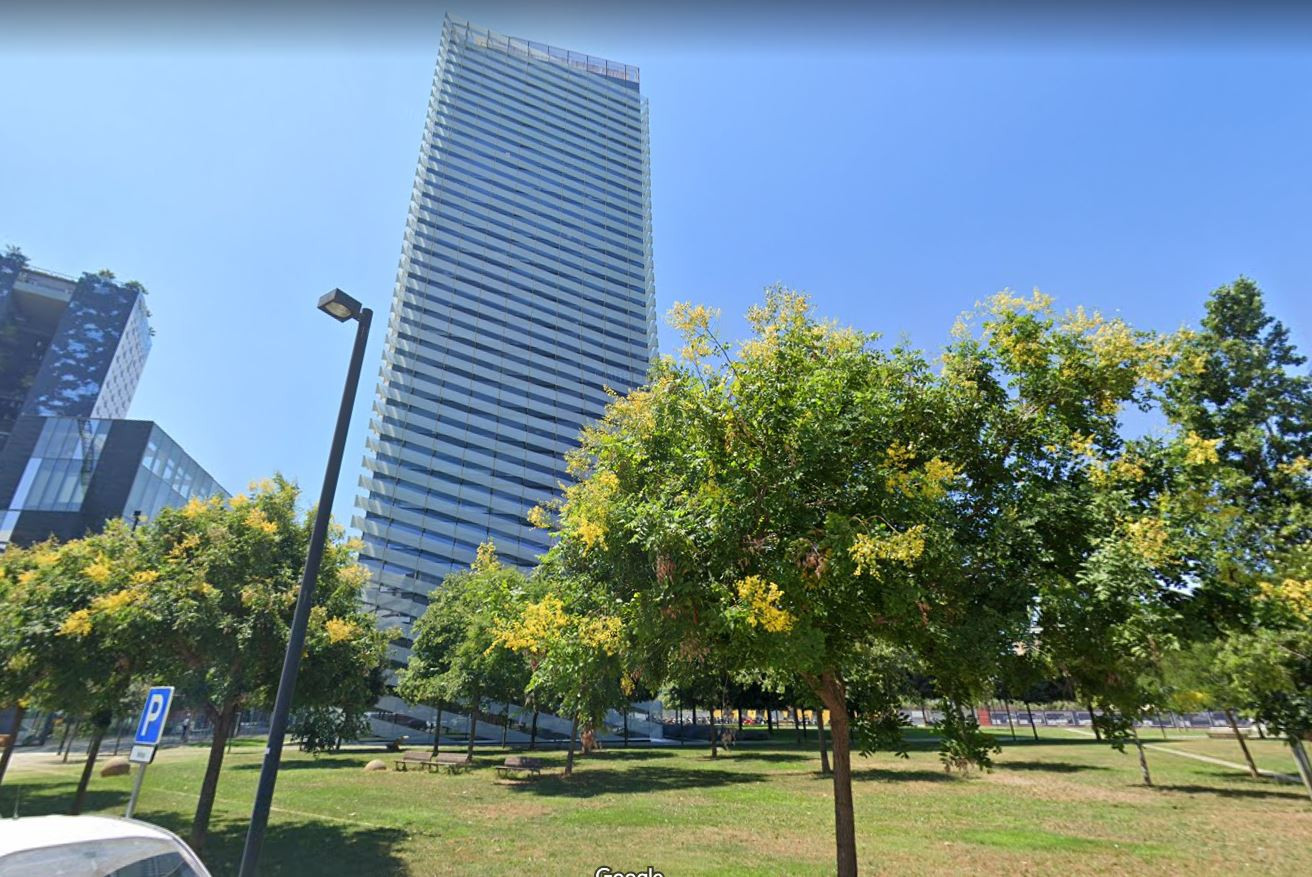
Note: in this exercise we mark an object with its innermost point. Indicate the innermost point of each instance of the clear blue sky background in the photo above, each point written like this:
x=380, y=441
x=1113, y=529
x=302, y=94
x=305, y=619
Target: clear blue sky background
x=898, y=169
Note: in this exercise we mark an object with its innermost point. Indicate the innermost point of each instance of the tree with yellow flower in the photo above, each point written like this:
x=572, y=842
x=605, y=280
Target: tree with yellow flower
x=226, y=574
x=792, y=505
x=74, y=618
x=575, y=648
x=456, y=655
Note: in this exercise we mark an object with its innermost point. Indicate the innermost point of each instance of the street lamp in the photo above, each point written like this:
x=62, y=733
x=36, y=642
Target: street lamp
x=341, y=307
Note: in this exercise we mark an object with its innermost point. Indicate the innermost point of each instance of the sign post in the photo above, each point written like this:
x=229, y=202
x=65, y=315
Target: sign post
x=150, y=729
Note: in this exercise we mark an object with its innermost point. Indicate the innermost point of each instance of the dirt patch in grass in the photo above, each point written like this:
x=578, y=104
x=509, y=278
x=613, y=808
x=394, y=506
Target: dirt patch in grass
x=1053, y=788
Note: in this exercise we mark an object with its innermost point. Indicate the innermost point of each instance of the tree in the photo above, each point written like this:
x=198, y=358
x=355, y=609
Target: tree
x=223, y=583
x=456, y=654
x=67, y=645
x=787, y=505
x=1240, y=400
x=574, y=647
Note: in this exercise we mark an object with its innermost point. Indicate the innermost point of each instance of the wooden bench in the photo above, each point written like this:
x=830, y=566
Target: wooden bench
x=1226, y=733
x=454, y=762
x=520, y=764
x=417, y=760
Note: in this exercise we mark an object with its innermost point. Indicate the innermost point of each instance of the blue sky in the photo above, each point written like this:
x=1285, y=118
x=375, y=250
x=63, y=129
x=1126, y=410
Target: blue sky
x=898, y=170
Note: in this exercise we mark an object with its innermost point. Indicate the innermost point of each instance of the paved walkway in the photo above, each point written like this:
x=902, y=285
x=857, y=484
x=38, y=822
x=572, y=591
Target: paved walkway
x=1278, y=777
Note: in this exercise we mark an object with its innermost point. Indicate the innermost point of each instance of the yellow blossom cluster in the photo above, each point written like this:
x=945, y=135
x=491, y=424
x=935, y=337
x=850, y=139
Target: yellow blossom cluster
x=485, y=559
x=355, y=574
x=194, y=507
x=762, y=599
x=601, y=633
x=99, y=571
x=1148, y=537
x=1007, y=302
x=539, y=517
x=591, y=532
x=539, y=623
x=693, y=322
x=634, y=411
x=339, y=629
x=905, y=547
x=1199, y=451
x=239, y=501
x=110, y=603
x=144, y=577
x=46, y=559
x=1122, y=469
x=1294, y=594
x=185, y=544
x=256, y=520
x=77, y=623
x=1296, y=467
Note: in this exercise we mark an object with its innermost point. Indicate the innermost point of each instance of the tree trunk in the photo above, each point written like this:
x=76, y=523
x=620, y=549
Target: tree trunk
x=437, y=730
x=66, y=742
x=769, y=722
x=505, y=724
x=12, y=741
x=573, y=733
x=715, y=737
x=222, y=720
x=473, y=726
x=1097, y=734
x=834, y=697
x=1010, y=723
x=694, y=715
x=98, y=731
x=740, y=720
x=824, y=749
x=119, y=739
x=1143, y=759
x=626, y=726
x=1243, y=744
x=797, y=725
x=1030, y=713
x=533, y=734
x=1300, y=758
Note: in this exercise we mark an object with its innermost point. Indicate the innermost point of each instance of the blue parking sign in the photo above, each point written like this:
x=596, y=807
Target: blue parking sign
x=151, y=726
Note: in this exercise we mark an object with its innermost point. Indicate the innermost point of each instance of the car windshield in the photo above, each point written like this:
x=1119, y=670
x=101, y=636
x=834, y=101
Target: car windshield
x=120, y=857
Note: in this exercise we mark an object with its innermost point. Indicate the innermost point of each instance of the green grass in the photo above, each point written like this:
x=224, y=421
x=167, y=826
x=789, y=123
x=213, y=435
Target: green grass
x=1063, y=804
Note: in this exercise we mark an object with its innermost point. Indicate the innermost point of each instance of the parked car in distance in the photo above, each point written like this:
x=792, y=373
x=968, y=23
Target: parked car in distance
x=93, y=846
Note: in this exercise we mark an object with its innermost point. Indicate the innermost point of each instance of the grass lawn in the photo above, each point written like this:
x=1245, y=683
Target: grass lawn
x=1063, y=805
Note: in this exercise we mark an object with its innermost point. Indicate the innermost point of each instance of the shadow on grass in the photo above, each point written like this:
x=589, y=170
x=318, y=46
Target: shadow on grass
x=297, y=847
x=1073, y=740
x=1289, y=793
x=323, y=762
x=632, y=754
x=1048, y=766
x=292, y=846
x=891, y=776
x=588, y=783
x=774, y=757
x=43, y=798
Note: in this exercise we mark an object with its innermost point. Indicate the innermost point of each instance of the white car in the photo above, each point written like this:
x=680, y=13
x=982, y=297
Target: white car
x=93, y=846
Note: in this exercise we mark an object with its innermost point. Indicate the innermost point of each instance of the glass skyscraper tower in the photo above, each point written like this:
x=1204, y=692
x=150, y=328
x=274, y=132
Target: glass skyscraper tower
x=525, y=291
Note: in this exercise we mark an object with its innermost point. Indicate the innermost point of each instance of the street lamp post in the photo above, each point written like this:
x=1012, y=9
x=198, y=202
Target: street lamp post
x=341, y=307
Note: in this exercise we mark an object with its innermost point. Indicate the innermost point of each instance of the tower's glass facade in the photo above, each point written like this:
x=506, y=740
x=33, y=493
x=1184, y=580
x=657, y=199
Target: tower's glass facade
x=525, y=291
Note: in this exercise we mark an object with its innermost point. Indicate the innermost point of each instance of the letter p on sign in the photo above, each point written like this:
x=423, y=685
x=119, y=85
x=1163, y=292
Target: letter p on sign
x=156, y=712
